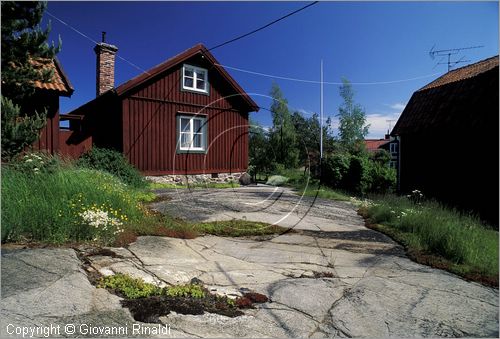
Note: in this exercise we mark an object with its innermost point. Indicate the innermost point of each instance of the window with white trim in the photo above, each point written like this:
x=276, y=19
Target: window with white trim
x=192, y=133
x=393, y=147
x=194, y=79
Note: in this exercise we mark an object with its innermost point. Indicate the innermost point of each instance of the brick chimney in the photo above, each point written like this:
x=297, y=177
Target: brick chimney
x=105, y=66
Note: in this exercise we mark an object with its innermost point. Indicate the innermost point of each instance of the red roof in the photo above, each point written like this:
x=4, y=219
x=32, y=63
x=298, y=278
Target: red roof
x=169, y=63
x=463, y=73
x=59, y=83
x=458, y=98
x=373, y=145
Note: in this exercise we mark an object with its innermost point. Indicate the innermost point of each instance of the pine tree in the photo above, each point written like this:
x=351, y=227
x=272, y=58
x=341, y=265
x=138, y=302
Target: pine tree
x=18, y=131
x=23, y=41
x=352, y=118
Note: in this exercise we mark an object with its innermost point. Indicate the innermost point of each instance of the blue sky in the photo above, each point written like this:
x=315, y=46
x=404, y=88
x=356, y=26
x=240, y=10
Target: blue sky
x=366, y=42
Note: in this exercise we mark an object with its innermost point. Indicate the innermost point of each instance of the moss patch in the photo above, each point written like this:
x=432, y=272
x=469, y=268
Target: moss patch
x=240, y=228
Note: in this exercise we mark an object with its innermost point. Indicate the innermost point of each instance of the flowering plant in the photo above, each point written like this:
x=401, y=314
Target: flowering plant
x=36, y=163
x=106, y=227
x=99, y=222
x=416, y=197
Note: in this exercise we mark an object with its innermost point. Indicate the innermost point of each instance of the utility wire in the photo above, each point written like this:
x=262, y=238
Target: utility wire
x=249, y=71
x=326, y=82
x=262, y=27
x=95, y=42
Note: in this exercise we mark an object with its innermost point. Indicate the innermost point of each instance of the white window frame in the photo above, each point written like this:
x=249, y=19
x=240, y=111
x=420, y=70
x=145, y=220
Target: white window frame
x=192, y=132
x=393, y=147
x=195, y=78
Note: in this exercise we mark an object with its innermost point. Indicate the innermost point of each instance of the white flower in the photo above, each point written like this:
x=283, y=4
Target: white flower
x=29, y=160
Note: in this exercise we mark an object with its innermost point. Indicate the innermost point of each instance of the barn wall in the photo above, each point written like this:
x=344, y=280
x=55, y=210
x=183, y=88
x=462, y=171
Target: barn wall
x=149, y=125
x=49, y=135
x=457, y=162
x=72, y=144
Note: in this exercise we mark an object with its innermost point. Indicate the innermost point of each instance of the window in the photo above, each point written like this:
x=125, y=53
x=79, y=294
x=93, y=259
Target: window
x=192, y=133
x=393, y=164
x=393, y=147
x=194, y=79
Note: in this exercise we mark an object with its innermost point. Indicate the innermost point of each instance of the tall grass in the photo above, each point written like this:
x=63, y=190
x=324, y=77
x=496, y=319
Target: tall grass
x=45, y=206
x=429, y=227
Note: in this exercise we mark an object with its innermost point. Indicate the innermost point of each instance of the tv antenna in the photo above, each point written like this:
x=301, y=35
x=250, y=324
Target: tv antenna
x=390, y=121
x=448, y=53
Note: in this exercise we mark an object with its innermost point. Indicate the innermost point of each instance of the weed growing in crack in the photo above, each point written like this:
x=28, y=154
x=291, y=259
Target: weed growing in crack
x=147, y=302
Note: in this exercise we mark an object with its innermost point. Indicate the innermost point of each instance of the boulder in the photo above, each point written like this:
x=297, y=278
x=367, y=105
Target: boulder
x=245, y=179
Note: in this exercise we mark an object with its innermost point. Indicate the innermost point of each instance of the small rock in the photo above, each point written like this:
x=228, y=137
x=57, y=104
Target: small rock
x=196, y=281
x=245, y=179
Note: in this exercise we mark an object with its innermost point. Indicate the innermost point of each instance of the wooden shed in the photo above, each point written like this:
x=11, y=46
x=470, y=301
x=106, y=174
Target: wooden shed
x=186, y=115
x=448, y=139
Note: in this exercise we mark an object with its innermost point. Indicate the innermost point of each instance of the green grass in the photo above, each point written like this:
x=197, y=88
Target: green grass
x=323, y=192
x=298, y=180
x=239, y=228
x=154, y=185
x=429, y=228
x=47, y=207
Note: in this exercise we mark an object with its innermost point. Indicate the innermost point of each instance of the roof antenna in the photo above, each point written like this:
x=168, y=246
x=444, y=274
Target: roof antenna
x=103, y=35
x=449, y=52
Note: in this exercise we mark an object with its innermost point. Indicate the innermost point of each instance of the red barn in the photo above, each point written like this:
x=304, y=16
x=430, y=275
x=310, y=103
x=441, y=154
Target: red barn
x=186, y=115
x=448, y=139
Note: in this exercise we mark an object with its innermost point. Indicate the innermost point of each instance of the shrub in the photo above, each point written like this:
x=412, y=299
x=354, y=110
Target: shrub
x=359, y=174
x=357, y=178
x=382, y=177
x=277, y=180
x=112, y=162
x=335, y=169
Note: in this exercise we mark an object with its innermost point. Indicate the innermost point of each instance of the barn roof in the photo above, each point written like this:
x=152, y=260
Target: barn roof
x=59, y=82
x=179, y=58
x=451, y=98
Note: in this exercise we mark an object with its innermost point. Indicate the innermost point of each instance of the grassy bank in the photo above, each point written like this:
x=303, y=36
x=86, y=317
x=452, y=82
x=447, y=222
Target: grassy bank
x=438, y=236
x=58, y=207
x=75, y=205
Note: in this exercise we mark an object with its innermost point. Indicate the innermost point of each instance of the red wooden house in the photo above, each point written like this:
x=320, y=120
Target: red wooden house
x=186, y=115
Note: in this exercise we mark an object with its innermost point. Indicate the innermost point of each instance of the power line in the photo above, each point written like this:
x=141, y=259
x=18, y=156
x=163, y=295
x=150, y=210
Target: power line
x=262, y=27
x=249, y=71
x=95, y=42
x=326, y=82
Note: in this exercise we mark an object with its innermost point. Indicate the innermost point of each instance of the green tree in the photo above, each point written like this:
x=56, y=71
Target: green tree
x=260, y=155
x=308, y=136
x=23, y=42
x=352, y=119
x=283, y=137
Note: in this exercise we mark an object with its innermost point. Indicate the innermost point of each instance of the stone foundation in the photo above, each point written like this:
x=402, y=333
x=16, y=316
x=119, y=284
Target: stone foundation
x=184, y=179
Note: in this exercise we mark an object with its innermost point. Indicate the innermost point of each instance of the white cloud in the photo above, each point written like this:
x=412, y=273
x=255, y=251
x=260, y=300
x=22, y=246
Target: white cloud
x=398, y=106
x=380, y=123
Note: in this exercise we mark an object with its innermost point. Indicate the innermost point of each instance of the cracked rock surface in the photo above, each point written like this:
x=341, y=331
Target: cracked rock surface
x=369, y=288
